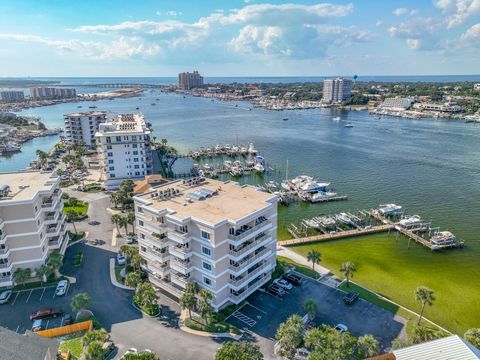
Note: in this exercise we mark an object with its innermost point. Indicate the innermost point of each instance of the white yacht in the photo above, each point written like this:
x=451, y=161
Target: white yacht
x=411, y=222
x=259, y=168
x=344, y=218
x=443, y=238
x=389, y=209
x=251, y=149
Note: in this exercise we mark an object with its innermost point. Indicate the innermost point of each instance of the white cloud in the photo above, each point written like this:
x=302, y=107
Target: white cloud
x=174, y=13
x=472, y=34
x=457, y=12
x=400, y=11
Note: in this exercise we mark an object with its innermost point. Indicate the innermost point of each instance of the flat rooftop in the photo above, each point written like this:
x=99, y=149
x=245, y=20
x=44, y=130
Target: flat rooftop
x=25, y=184
x=229, y=201
x=86, y=113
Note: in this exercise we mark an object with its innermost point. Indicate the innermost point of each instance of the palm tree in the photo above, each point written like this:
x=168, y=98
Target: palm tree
x=204, y=307
x=72, y=215
x=310, y=306
x=188, y=301
x=192, y=287
x=42, y=155
x=348, y=269
x=368, y=346
x=131, y=219
x=135, y=260
x=116, y=219
x=20, y=276
x=80, y=301
x=55, y=260
x=426, y=297
x=314, y=257
x=124, y=224
x=43, y=271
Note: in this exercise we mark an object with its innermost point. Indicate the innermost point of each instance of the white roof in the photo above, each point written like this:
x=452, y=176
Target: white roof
x=448, y=348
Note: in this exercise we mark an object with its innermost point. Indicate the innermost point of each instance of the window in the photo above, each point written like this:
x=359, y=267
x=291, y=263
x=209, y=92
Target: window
x=36, y=208
x=183, y=229
x=161, y=219
x=110, y=154
x=135, y=159
x=136, y=166
x=137, y=173
x=135, y=152
x=207, y=266
x=139, y=209
x=207, y=281
x=142, y=235
x=140, y=222
x=206, y=251
x=205, y=235
x=134, y=146
x=110, y=161
x=109, y=139
x=111, y=168
x=112, y=175
x=118, y=138
x=109, y=147
x=143, y=248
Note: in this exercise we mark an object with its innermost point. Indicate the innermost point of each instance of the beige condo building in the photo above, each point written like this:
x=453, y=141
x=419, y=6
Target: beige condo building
x=31, y=221
x=218, y=234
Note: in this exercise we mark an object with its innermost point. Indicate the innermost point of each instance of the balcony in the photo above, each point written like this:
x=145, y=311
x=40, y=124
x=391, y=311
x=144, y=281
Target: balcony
x=239, y=281
x=245, y=263
x=242, y=234
x=183, y=267
x=157, y=269
x=179, y=280
x=6, y=264
x=2, y=235
x=53, y=229
x=155, y=255
x=49, y=204
x=6, y=280
x=180, y=251
x=265, y=238
x=165, y=285
x=237, y=298
x=178, y=237
x=4, y=250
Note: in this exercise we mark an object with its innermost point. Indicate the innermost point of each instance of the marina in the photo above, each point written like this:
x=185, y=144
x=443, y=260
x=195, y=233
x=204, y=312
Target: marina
x=388, y=217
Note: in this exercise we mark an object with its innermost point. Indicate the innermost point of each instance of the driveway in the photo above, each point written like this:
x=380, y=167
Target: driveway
x=264, y=313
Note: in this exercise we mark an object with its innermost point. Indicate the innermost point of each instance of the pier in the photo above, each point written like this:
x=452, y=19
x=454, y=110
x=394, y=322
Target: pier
x=360, y=224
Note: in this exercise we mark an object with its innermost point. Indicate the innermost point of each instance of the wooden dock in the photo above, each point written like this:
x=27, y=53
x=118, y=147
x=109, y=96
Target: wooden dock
x=337, y=235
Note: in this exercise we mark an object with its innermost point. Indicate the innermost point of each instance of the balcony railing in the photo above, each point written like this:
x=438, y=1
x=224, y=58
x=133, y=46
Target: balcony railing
x=183, y=280
x=249, y=247
x=242, y=265
x=178, y=236
x=242, y=234
x=2, y=235
x=250, y=289
x=181, y=250
x=5, y=265
x=6, y=278
x=3, y=250
x=239, y=281
x=52, y=229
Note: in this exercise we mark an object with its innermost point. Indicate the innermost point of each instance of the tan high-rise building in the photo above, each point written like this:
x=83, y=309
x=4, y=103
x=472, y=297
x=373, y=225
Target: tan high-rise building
x=31, y=221
x=337, y=90
x=189, y=81
x=81, y=127
x=218, y=234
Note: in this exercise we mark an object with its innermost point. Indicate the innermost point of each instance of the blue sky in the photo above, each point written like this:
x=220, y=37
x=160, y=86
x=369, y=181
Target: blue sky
x=239, y=37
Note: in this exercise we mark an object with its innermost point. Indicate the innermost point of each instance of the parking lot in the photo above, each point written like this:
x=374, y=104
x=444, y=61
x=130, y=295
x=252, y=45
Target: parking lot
x=264, y=312
x=16, y=313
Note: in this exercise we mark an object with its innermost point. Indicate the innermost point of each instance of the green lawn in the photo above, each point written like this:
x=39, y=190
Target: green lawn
x=302, y=269
x=81, y=208
x=74, y=345
x=386, y=265
x=197, y=323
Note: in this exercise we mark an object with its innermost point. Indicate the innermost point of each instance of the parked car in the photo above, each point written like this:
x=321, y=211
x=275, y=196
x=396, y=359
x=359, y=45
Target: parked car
x=283, y=284
x=94, y=222
x=38, y=326
x=293, y=278
x=301, y=354
x=121, y=258
x=279, y=288
x=131, y=240
x=350, y=297
x=45, y=313
x=62, y=288
x=5, y=296
x=341, y=327
x=67, y=320
x=275, y=292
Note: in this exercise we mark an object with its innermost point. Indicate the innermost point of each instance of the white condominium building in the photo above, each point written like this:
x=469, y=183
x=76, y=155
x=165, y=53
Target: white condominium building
x=123, y=146
x=337, y=90
x=81, y=127
x=218, y=234
x=31, y=221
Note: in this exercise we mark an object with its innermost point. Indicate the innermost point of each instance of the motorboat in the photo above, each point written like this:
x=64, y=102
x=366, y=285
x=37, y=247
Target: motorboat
x=336, y=118
x=10, y=147
x=299, y=180
x=344, y=218
x=348, y=125
x=411, y=222
x=285, y=119
x=312, y=186
x=251, y=149
x=227, y=164
x=312, y=223
x=243, y=150
x=250, y=162
x=286, y=185
x=443, y=238
x=389, y=209
x=327, y=222
x=236, y=171
x=258, y=167
x=321, y=196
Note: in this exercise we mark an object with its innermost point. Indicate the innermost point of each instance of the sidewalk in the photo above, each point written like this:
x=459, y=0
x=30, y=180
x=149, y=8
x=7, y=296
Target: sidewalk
x=285, y=252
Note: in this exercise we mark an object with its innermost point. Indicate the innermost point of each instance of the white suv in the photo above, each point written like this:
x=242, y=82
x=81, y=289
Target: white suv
x=62, y=288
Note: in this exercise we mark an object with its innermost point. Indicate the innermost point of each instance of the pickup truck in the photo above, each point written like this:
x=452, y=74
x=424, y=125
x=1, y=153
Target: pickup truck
x=350, y=297
x=45, y=313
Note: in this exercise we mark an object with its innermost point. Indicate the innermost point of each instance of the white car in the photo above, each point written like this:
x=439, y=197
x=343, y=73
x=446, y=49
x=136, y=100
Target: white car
x=62, y=288
x=341, y=327
x=5, y=296
x=132, y=351
x=283, y=284
x=121, y=259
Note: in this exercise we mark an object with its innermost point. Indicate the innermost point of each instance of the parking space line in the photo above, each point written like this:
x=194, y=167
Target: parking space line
x=18, y=328
x=244, y=318
x=41, y=296
x=240, y=308
x=16, y=296
x=29, y=294
x=253, y=306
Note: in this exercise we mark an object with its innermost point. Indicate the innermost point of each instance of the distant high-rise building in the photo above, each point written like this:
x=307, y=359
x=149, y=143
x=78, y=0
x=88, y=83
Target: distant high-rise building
x=123, y=146
x=38, y=93
x=81, y=127
x=189, y=81
x=337, y=90
x=11, y=96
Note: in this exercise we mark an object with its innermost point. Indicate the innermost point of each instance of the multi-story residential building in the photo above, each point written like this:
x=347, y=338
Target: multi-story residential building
x=337, y=90
x=476, y=87
x=218, y=234
x=12, y=96
x=189, y=81
x=81, y=127
x=396, y=104
x=38, y=93
x=31, y=221
x=123, y=146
